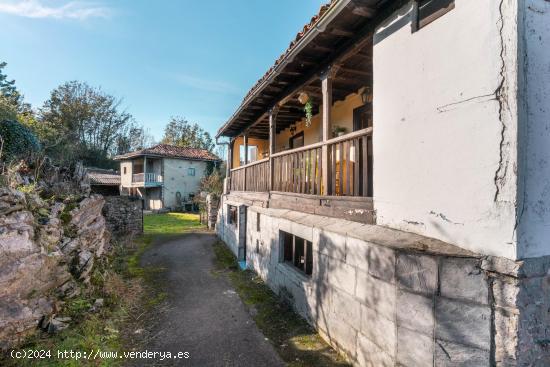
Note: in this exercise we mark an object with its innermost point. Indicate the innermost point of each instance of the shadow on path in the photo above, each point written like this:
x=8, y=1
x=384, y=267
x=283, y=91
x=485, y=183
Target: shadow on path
x=201, y=313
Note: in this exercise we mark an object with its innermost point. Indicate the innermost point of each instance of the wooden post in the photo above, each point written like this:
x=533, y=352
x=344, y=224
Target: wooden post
x=245, y=141
x=326, y=88
x=272, y=144
x=229, y=163
x=144, y=170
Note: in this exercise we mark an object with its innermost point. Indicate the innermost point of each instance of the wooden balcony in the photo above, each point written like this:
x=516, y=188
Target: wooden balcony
x=147, y=179
x=301, y=170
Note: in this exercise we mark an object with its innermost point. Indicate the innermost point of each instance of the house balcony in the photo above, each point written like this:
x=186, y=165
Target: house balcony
x=147, y=180
x=331, y=177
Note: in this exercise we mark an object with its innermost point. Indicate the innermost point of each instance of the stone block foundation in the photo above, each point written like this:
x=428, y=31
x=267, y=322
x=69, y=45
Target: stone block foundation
x=384, y=297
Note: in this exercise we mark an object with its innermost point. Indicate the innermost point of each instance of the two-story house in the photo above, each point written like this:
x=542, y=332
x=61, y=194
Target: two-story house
x=164, y=176
x=390, y=176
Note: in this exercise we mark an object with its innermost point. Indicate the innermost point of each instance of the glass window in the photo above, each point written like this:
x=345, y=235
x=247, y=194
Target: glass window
x=252, y=154
x=297, y=252
x=190, y=171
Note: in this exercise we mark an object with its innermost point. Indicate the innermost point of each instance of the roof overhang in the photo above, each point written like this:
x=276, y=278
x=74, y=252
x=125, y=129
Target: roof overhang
x=338, y=30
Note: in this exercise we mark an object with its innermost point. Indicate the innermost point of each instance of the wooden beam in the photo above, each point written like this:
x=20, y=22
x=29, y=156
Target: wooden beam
x=272, y=144
x=326, y=87
x=341, y=32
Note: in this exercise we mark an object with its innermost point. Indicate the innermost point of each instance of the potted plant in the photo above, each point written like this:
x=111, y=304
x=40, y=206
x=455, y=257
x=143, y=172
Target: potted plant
x=338, y=131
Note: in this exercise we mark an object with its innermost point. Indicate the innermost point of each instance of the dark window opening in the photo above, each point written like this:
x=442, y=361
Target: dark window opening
x=296, y=141
x=232, y=214
x=124, y=170
x=362, y=117
x=257, y=222
x=429, y=10
x=297, y=252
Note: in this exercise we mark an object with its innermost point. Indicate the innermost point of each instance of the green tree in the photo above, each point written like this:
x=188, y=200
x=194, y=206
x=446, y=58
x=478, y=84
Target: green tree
x=184, y=134
x=88, y=124
x=11, y=97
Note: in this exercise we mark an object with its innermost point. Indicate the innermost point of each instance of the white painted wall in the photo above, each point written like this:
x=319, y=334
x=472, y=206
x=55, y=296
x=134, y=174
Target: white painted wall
x=444, y=142
x=126, y=179
x=176, y=179
x=534, y=134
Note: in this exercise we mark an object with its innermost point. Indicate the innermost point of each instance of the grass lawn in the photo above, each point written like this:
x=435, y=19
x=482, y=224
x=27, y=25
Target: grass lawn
x=170, y=223
x=298, y=344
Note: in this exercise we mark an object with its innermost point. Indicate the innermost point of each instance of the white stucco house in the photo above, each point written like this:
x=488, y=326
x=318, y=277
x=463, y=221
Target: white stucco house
x=390, y=175
x=164, y=176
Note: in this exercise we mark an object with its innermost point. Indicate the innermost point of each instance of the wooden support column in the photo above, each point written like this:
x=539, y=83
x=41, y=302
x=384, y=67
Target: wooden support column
x=272, y=144
x=229, y=163
x=144, y=170
x=245, y=141
x=326, y=88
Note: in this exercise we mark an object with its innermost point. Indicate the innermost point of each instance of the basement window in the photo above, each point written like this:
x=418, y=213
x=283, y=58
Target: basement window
x=297, y=252
x=232, y=214
x=427, y=11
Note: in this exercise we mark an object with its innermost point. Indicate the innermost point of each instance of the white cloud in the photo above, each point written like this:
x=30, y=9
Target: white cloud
x=78, y=10
x=205, y=84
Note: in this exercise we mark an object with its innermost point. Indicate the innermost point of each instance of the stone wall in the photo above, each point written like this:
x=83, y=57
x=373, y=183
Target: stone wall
x=47, y=252
x=385, y=297
x=124, y=215
x=212, y=206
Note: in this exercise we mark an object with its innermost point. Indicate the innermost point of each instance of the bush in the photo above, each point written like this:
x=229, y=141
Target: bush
x=17, y=140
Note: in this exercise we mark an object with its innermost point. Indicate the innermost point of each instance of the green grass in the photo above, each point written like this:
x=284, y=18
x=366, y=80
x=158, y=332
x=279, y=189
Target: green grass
x=129, y=291
x=171, y=223
x=295, y=340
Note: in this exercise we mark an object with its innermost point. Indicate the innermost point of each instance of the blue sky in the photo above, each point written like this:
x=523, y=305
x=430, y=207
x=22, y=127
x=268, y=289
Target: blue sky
x=195, y=59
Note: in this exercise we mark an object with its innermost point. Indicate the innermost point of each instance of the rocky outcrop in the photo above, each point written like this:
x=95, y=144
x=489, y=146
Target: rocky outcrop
x=47, y=252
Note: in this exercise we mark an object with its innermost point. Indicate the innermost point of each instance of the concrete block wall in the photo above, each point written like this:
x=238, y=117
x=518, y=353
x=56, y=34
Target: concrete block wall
x=394, y=305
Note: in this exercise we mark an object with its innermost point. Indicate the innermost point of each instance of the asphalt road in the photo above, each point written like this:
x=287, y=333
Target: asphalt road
x=202, y=314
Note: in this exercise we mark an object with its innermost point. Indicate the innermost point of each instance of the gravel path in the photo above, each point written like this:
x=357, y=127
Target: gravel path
x=202, y=314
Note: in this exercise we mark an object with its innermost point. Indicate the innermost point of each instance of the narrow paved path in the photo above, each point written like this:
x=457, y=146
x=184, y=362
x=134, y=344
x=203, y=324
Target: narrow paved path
x=202, y=315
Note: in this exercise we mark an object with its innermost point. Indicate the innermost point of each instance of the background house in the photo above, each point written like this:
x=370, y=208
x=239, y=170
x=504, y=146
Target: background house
x=104, y=181
x=165, y=176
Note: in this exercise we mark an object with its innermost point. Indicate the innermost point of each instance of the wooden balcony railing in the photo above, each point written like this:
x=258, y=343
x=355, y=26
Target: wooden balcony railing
x=252, y=177
x=301, y=170
x=147, y=178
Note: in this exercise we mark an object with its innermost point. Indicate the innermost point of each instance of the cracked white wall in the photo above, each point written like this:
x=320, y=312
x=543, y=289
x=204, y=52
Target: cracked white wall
x=534, y=129
x=445, y=113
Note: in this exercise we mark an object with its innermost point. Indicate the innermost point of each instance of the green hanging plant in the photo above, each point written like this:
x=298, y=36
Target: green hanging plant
x=308, y=108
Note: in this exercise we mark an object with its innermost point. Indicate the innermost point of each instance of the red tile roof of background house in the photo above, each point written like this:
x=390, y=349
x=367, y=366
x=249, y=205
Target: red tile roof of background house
x=103, y=176
x=171, y=151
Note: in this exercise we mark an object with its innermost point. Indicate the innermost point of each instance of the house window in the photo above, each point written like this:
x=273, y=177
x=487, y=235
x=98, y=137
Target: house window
x=232, y=214
x=252, y=154
x=296, y=141
x=426, y=11
x=191, y=171
x=124, y=170
x=297, y=252
x=257, y=222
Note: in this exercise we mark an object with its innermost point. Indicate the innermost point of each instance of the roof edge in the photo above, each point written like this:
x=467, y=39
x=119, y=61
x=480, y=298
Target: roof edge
x=318, y=27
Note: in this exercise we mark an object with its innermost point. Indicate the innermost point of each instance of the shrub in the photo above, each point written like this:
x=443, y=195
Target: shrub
x=17, y=140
